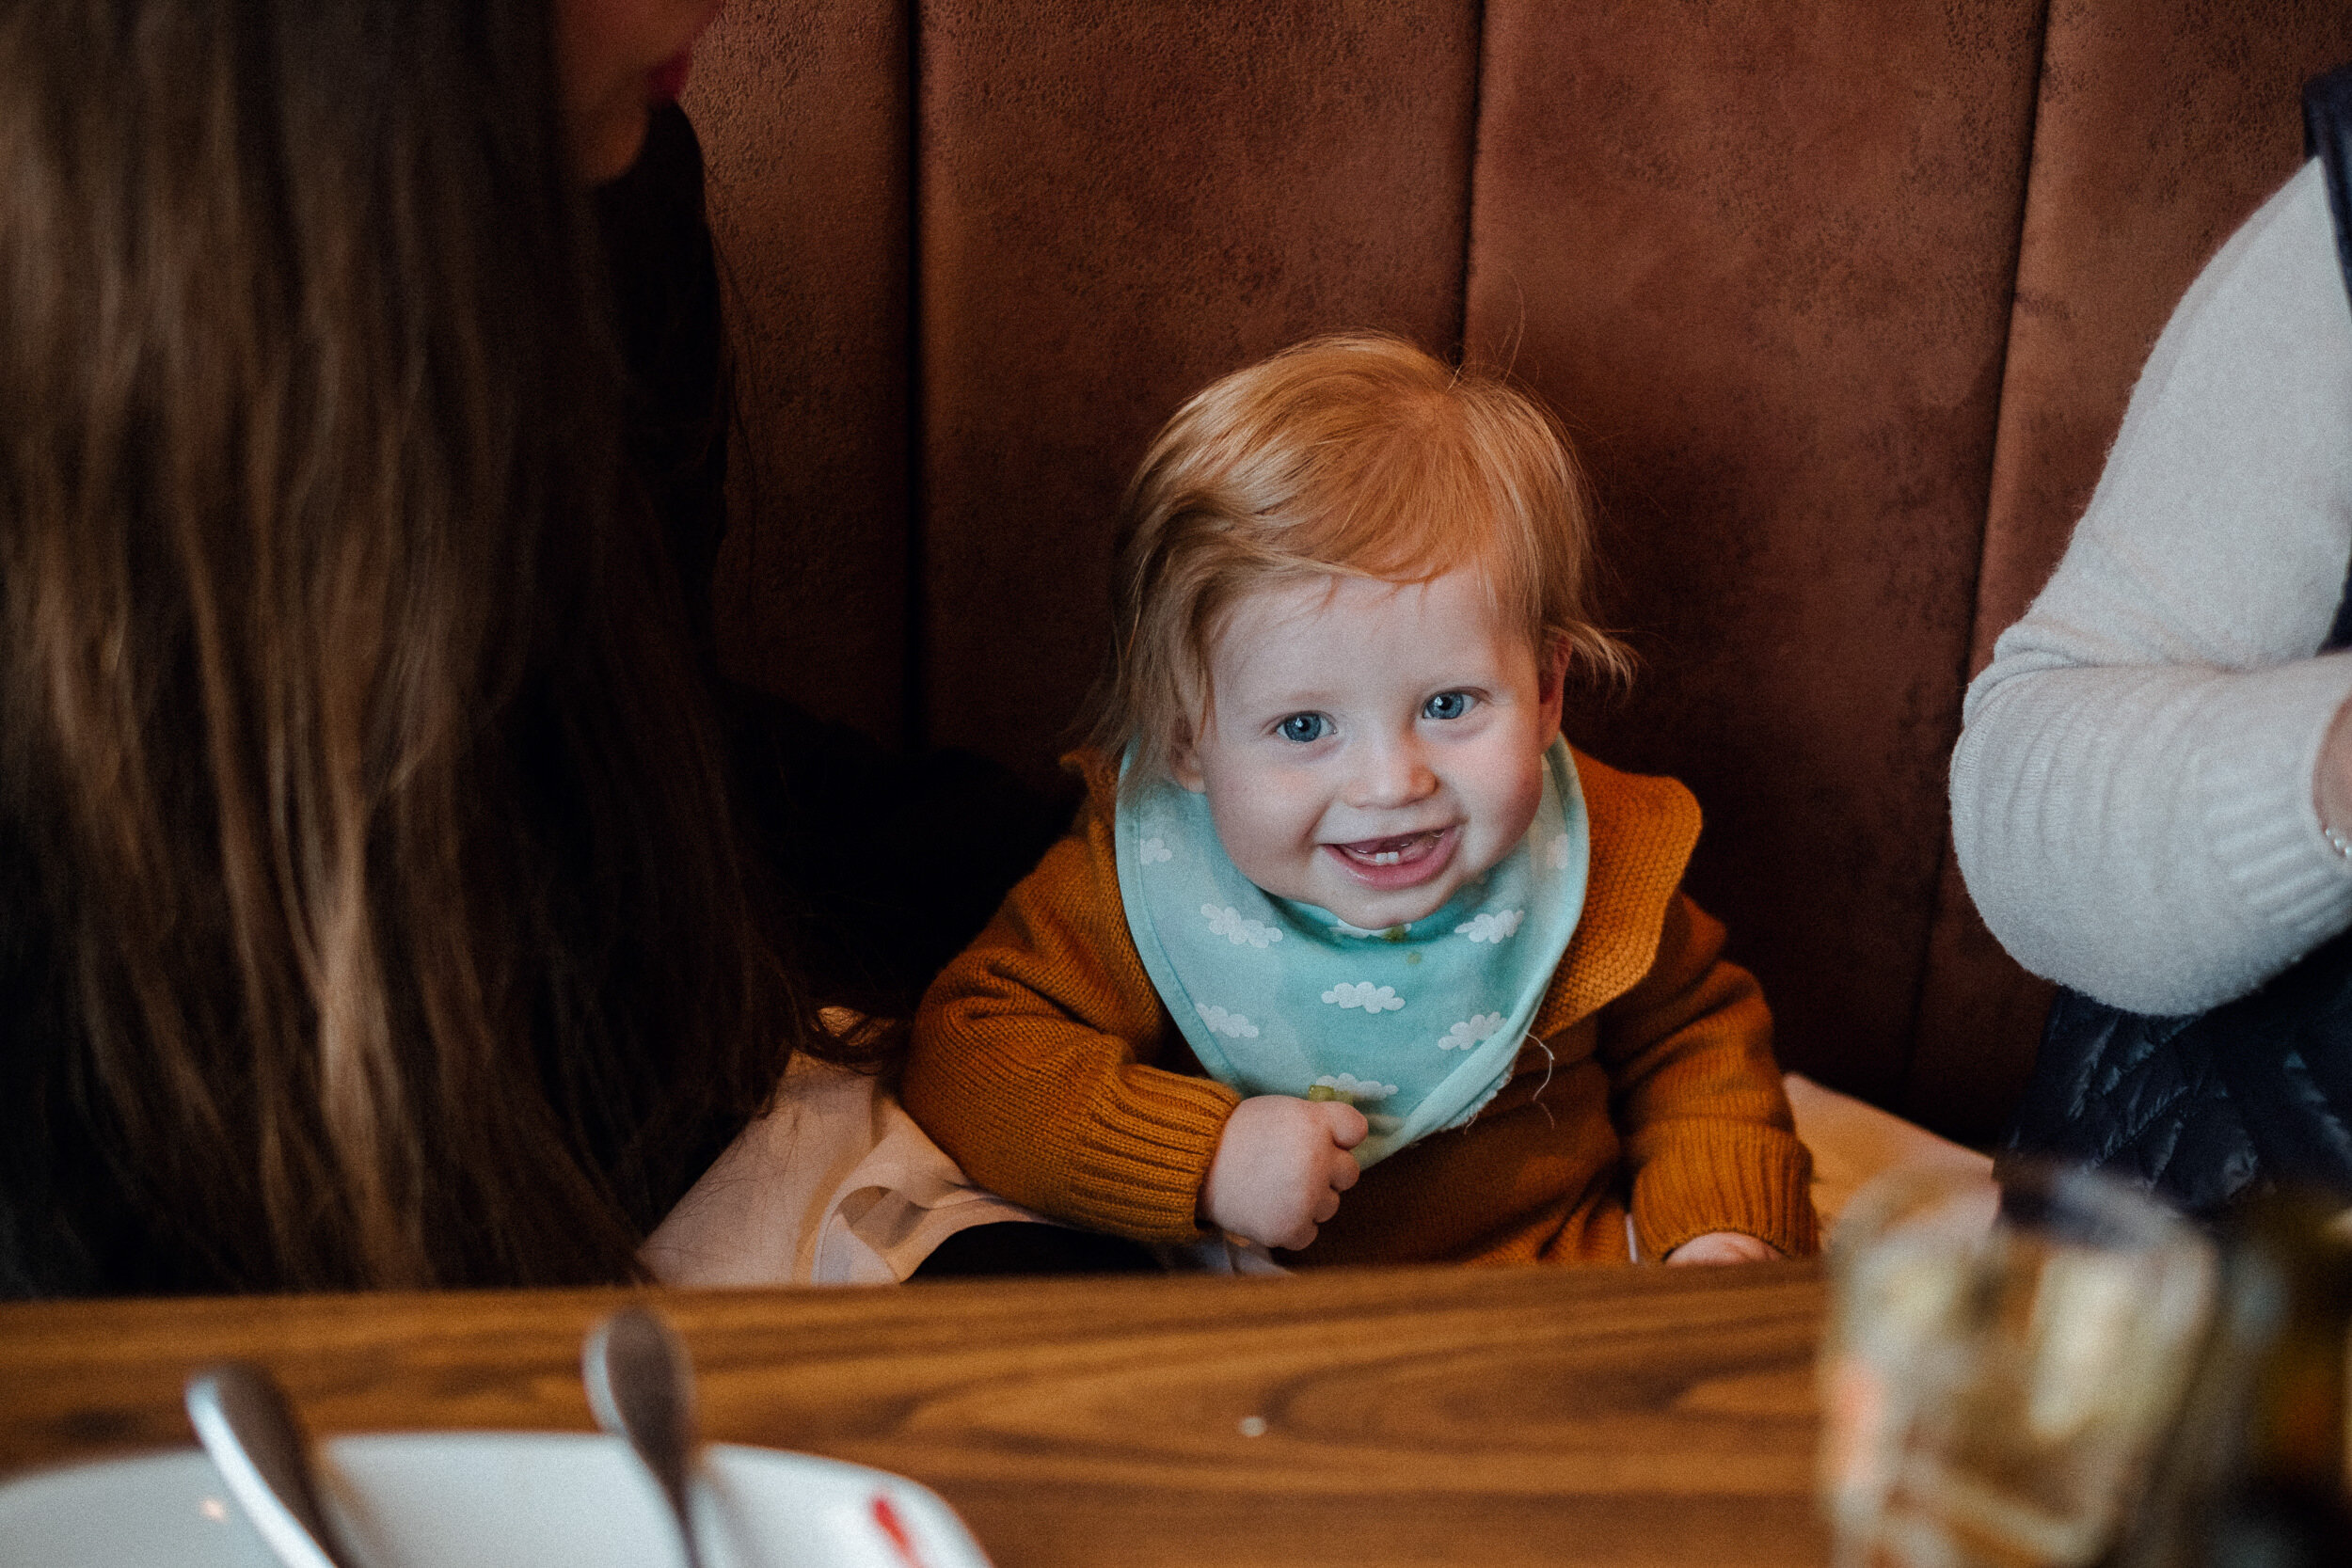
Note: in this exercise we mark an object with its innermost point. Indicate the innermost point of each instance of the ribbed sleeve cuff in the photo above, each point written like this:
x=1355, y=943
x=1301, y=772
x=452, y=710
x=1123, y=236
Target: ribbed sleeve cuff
x=2254, y=788
x=1754, y=1180
x=1137, y=1164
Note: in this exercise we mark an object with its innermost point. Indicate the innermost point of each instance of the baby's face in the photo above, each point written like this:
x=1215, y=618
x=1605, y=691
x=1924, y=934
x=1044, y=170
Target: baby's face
x=1372, y=746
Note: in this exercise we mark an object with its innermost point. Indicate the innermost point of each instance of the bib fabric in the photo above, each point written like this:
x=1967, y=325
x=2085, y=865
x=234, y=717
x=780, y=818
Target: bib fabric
x=1418, y=1026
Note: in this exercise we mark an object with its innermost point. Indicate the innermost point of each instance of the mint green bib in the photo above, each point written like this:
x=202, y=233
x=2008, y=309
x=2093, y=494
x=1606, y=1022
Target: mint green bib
x=1418, y=1026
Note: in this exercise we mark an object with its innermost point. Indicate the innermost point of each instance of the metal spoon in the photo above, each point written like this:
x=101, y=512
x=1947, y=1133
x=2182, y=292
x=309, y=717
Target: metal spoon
x=642, y=1386
x=247, y=1424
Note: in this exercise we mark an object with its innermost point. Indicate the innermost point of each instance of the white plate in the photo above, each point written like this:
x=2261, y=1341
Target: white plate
x=508, y=1499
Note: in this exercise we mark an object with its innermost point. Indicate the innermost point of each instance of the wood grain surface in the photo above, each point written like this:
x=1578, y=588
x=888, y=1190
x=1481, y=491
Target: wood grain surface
x=1441, y=1416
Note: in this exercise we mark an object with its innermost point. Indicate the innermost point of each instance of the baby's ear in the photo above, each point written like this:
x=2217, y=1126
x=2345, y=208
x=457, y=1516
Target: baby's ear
x=1552, y=675
x=1183, y=761
x=1551, y=668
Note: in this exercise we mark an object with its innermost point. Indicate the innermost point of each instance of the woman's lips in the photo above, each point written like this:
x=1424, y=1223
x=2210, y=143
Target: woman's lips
x=668, y=79
x=664, y=82
x=1405, y=861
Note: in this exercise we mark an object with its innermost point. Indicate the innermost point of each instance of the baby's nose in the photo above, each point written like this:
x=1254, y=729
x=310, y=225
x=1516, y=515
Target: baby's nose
x=1394, y=774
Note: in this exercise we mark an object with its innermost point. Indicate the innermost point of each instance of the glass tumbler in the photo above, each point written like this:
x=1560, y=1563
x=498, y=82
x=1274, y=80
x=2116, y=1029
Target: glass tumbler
x=2001, y=1364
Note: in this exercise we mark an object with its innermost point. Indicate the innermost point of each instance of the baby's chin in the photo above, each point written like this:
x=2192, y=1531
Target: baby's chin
x=1386, y=911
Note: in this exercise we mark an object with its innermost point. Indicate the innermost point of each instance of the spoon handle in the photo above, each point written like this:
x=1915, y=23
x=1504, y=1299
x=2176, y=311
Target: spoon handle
x=257, y=1443
x=642, y=1386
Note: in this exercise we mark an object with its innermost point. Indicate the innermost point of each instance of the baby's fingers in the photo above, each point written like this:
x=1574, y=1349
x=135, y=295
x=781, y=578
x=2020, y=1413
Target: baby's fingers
x=1348, y=1124
x=1302, y=1235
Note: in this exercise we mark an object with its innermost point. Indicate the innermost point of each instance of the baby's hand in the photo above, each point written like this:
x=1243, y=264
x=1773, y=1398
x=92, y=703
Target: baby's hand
x=1280, y=1168
x=1724, y=1246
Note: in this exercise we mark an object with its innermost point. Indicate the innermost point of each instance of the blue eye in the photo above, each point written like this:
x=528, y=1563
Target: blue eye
x=1302, y=727
x=1447, y=705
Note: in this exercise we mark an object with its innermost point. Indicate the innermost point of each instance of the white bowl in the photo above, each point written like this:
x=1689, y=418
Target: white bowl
x=520, y=1499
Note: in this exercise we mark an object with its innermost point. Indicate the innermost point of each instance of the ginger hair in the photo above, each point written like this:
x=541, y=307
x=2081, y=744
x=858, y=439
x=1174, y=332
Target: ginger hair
x=1353, y=454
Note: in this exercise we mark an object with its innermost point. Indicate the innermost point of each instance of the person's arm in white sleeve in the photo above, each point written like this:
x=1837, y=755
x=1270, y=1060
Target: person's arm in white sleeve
x=2133, y=795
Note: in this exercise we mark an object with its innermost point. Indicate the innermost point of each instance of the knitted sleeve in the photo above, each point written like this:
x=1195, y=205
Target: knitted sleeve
x=2131, y=795
x=1697, y=1099
x=1031, y=1063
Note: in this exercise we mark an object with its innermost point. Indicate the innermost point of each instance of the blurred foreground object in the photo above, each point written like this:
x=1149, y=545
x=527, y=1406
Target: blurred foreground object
x=2254, y=1476
x=2001, y=1369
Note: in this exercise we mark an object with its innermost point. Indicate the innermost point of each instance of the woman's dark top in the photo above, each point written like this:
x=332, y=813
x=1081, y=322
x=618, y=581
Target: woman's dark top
x=888, y=863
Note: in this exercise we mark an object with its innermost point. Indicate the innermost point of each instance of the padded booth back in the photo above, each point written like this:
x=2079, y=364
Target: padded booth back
x=1841, y=302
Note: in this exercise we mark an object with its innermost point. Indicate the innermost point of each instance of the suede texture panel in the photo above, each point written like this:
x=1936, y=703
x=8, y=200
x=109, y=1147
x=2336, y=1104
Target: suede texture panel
x=805, y=109
x=1119, y=202
x=1760, y=262
x=2160, y=128
x=1980, y=1026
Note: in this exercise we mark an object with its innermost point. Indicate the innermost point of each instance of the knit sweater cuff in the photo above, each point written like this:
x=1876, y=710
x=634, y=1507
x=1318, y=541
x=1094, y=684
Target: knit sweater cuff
x=2254, y=787
x=1137, y=1164
x=1754, y=1180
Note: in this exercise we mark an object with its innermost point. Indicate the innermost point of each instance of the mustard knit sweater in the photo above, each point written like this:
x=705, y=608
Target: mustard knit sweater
x=1045, y=1064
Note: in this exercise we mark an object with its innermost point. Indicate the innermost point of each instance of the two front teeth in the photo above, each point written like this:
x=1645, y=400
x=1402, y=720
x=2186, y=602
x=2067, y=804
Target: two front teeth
x=1396, y=855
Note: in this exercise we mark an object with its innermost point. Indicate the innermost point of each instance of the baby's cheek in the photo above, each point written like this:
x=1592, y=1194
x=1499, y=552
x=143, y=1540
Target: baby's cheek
x=1512, y=813
x=1264, y=843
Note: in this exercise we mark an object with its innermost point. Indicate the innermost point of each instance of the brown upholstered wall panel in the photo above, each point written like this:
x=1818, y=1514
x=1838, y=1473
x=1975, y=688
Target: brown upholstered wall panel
x=1121, y=200
x=804, y=111
x=2161, y=125
x=1980, y=1022
x=1760, y=258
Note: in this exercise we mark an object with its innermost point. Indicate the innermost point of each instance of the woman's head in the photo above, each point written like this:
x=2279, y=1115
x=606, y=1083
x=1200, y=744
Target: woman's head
x=1353, y=455
x=617, y=58
x=383, y=877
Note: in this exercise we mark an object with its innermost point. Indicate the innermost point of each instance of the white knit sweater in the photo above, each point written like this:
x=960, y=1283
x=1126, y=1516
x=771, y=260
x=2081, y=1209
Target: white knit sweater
x=2131, y=795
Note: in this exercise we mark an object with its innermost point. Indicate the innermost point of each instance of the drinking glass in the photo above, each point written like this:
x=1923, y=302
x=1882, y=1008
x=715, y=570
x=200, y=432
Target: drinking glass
x=2001, y=1364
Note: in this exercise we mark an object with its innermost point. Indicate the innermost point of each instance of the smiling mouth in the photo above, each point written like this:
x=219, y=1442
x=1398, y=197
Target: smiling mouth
x=1403, y=850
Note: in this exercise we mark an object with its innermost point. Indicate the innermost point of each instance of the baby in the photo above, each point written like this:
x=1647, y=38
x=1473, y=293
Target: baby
x=1342, y=914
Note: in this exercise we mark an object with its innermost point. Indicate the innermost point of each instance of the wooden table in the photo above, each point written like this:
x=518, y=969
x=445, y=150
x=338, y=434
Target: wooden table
x=1479, y=1416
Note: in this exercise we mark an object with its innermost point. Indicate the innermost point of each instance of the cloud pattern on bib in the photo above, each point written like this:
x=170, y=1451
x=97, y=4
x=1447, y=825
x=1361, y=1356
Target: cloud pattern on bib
x=1421, y=1021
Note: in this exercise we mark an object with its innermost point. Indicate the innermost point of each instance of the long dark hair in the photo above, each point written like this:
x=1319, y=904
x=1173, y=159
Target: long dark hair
x=368, y=909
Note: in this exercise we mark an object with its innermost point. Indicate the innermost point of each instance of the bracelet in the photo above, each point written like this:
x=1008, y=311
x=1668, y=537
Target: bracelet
x=2337, y=842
